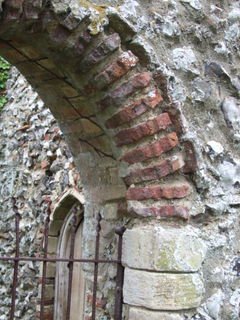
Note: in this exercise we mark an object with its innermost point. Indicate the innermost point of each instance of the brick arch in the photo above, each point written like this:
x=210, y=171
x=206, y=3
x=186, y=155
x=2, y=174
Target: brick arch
x=113, y=108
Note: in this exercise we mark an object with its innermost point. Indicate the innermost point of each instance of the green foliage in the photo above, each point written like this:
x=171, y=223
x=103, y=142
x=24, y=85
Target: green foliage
x=4, y=67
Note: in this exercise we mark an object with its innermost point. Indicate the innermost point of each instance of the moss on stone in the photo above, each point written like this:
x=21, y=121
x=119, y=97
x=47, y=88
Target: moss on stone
x=4, y=68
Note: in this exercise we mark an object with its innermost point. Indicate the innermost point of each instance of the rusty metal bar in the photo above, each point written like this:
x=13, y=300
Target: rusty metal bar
x=44, y=271
x=119, y=277
x=97, y=246
x=16, y=262
x=70, y=265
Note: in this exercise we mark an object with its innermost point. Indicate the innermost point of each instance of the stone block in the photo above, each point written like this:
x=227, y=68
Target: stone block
x=143, y=314
x=52, y=244
x=110, y=211
x=162, y=291
x=158, y=249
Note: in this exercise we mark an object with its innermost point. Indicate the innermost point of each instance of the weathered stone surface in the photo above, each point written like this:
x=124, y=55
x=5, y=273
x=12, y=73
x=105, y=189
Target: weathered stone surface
x=159, y=249
x=143, y=314
x=162, y=291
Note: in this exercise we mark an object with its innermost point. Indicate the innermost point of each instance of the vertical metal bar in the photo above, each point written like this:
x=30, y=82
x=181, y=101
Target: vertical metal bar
x=119, y=278
x=70, y=265
x=97, y=245
x=45, y=253
x=16, y=262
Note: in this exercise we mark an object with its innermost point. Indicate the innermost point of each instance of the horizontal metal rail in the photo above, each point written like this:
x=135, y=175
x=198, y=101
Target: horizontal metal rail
x=57, y=260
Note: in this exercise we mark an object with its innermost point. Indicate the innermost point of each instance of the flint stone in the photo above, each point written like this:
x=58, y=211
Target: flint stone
x=162, y=291
x=161, y=249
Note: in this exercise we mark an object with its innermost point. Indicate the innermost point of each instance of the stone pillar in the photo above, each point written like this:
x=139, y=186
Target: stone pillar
x=161, y=271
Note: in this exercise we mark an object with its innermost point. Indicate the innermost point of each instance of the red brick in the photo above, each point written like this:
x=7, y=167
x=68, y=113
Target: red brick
x=100, y=303
x=115, y=70
x=46, y=316
x=82, y=42
x=162, y=83
x=156, y=172
x=117, y=96
x=160, y=211
x=148, y=128
x=176, y=118
x=134, y=110
x=45, y=164
x=59, y=35
x=109, y=45
x=127, y=114
x=25, y=127
x=153, y=98
x=31, y=9
x=85, y=37
x=190, y=158
x=157, y=192
x=151, y=150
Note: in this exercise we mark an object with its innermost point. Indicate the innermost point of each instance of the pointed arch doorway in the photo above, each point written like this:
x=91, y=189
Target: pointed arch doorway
x=70, y=278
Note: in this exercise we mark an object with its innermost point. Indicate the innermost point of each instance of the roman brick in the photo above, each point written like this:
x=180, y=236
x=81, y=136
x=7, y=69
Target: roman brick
x=109, y=45
x=135, y=109
x=148, y=128
x=153, y=98
x=162, y=169
x=168, y=211
x=117, y=96
x=152, y=150
x=115, y=70
x=176, y=118
x=157, y=192
x=190, y=158
x=100, y=303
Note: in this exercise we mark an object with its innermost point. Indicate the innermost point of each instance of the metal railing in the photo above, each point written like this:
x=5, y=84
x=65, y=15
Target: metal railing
x=71, y=260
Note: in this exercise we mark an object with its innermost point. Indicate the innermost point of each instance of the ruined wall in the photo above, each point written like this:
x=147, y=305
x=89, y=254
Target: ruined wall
x=160, y=110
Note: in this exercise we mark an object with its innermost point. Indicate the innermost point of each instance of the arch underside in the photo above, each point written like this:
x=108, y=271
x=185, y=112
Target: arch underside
x=114, y=112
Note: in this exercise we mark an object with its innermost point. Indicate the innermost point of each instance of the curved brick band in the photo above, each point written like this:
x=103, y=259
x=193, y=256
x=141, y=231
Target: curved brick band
x=104, y=99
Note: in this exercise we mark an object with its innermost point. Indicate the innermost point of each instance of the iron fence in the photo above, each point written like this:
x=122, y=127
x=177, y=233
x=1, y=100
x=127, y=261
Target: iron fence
x=71, y=260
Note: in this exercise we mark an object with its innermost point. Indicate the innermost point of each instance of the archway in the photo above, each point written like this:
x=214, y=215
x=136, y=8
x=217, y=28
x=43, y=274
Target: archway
x=112, y=107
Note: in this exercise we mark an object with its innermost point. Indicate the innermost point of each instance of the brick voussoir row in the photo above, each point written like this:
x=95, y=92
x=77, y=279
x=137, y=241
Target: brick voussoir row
x=110, y=44
x=162, y=211
x=118, y=68
x=166, y=211
x=117, y=96
x=158, y=192
x=147, y=128
x=135, y=109
x=158, y=171
x=152, y=150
